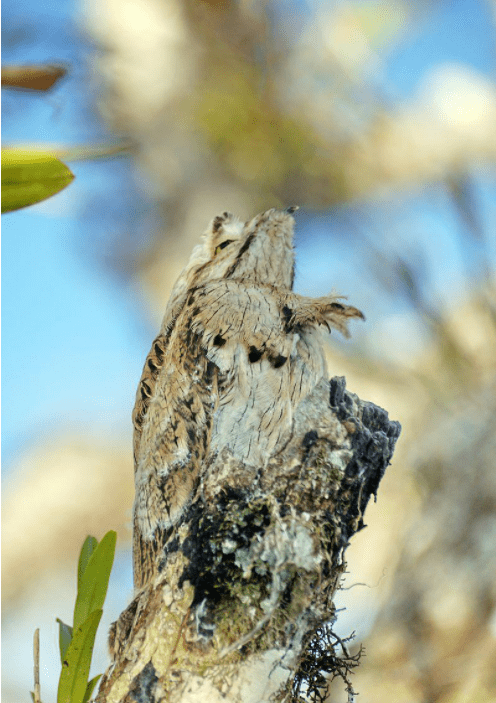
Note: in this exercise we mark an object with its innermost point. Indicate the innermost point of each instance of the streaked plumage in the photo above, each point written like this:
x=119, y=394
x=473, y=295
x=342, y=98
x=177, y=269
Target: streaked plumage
x=237, y=352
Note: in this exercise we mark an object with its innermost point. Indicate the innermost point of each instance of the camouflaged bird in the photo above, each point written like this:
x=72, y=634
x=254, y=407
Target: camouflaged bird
x=237, y=352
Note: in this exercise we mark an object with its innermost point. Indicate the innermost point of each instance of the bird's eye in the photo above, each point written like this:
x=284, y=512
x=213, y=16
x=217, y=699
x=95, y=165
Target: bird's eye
x=222, y=246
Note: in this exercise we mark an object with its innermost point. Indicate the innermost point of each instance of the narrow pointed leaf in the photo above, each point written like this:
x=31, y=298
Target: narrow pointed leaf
x=31, y=176
x=89, y=688
x=89, y=546
x=94, y=582
x=65, y=637
x=73, y=680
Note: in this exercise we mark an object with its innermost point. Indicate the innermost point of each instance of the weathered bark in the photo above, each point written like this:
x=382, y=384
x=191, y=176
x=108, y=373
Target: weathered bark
x=239, y=609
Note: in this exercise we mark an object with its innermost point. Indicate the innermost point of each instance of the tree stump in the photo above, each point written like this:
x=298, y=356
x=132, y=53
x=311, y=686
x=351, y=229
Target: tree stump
x=242, y=604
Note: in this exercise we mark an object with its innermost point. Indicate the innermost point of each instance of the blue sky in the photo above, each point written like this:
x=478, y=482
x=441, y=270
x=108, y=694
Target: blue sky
x=452, y=31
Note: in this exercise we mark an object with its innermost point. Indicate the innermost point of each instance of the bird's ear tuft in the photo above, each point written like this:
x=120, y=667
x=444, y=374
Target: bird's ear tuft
x=223, y=228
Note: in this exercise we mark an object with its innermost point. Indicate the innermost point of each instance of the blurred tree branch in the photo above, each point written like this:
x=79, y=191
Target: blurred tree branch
x=42, y=77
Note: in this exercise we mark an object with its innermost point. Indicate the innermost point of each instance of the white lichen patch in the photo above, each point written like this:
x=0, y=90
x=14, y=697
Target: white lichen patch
x=256, y=680
x=287, y=543
x=340, y=458
x=262, y=676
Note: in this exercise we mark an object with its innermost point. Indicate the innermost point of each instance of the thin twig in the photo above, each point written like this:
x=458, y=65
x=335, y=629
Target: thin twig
x=37, y=694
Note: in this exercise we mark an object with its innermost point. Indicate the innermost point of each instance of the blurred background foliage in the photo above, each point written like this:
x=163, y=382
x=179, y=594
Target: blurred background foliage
x=378, y=118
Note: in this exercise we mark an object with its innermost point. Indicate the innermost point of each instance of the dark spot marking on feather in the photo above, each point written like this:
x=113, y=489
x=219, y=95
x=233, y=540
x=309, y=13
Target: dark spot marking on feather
x=254, y=355
x=278, y=361
x=243, y=249
x=191, y=434
x=219, y=341
x=287, y=314
x=210, y=370
x=159, y=352
x=152, y=366
x=146, y=391
x=218, y=222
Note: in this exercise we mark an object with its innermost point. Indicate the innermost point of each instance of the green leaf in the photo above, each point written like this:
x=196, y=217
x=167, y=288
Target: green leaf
x=89, y=546
x=29, y=176
x=89, y=688
x=93, y=584
x=73, y=680
x=65, y=637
